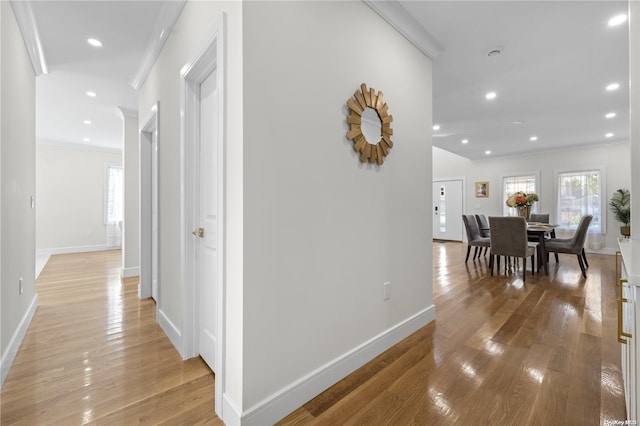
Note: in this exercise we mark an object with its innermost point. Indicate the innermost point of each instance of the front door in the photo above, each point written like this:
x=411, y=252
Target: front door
x=207, y=250
x=447, y=210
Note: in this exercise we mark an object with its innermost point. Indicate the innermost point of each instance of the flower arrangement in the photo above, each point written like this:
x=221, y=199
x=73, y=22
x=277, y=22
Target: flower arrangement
x=520, y=199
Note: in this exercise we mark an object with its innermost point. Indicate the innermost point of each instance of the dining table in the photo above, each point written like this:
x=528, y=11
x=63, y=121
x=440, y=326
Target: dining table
x=541, y=231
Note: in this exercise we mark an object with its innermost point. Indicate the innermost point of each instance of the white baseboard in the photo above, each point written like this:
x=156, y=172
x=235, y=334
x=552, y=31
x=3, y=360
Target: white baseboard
x=288, y=399
x=130, y=272
x=16, y=340
x=41, y=262
x=77, y=249
x=605, y=250
x=231, y=416
x=170, y=329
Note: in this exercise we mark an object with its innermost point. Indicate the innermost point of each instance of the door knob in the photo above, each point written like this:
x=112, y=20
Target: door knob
x=199, y=232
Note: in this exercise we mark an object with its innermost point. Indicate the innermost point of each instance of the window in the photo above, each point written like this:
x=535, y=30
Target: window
x=512, y=184
x=579, y=194
x=114, y=194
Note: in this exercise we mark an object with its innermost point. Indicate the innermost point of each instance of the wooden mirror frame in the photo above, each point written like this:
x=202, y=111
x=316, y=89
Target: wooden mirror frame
x=363, y=99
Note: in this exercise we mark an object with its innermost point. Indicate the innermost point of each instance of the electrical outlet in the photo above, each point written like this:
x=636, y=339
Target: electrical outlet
x=20, y=288
x=387, y=290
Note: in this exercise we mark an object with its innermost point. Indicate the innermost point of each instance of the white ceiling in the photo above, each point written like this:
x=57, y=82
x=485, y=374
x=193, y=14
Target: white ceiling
x=557, y=57
x=75, y=67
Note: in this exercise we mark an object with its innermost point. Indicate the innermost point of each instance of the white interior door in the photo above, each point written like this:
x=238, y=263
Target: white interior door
x=207, y=250
x=447, y=210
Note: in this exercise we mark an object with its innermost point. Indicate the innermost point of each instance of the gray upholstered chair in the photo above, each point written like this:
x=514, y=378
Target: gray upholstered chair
x=542, y=218
x=473, y=236
x=539, y=217
x=509, y=238
x=483, y=225
x=573, y=245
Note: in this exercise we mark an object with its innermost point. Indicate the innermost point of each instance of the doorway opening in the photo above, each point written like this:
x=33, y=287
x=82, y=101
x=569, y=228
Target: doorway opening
x=149, y=216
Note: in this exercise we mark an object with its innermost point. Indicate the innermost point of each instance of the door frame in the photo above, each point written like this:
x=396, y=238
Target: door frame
x=209, y=57
x=464, y=198
x=149, y=201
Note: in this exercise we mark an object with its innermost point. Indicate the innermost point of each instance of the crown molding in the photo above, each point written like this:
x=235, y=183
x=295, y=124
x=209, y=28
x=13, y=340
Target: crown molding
x=398, y=17
x=164, y=24
x=78, y=146
x=127, y=112
x=31, y=36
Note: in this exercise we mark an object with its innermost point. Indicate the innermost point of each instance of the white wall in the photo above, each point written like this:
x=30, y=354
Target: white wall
x=131, y=219
x=614, y=158
x=163, y=85
x=323, y=232
x=70, y=185
x=306, y=263
x=634, y=98
x=17, y=178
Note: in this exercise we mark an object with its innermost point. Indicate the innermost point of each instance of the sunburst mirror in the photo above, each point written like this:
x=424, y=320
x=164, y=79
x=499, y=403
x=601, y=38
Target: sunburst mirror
x=370, y=125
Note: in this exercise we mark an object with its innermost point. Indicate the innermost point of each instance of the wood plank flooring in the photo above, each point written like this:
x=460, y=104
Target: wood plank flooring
x=94, y=354
x=499, y=353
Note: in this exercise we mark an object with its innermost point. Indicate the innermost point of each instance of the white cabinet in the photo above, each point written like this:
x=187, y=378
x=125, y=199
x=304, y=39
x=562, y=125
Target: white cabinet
x=629, y=321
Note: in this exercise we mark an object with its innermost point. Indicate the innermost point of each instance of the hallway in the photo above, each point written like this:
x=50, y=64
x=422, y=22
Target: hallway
x=499, y=353
x=95, y=354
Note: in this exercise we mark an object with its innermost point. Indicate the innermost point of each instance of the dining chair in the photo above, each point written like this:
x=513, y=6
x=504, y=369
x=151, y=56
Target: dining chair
x=542, y=218
x=509, y=238
x=483, y=225
x=473, y=236
x=573, y=245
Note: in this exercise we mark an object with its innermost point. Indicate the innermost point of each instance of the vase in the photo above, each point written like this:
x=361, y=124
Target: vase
x=524, y=211
x=625, y=231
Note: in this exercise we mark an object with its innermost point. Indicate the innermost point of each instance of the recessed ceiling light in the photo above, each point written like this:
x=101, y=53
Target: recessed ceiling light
x=94, y=42
x=610, y=115
x=487, y=152
x=613, y=86
x=517, y=122
x=490, y=95
x=465, y=140
x=617, y=20
x=533, y=138
x=608, y=135
x=436, y=127
x=91, y=94
x=86, y=139
x=87, y=121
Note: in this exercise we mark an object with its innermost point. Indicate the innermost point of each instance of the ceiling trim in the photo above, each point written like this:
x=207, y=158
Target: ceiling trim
x=75, y=145
x=159, y=35
x=398, y=17
x=30, y=35
x=127, y=112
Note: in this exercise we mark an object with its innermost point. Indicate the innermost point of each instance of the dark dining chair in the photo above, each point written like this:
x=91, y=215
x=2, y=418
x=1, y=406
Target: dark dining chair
x=573, y=245
x=542, y=218
x=473, y=236
x=509, y=238
x=483, y=225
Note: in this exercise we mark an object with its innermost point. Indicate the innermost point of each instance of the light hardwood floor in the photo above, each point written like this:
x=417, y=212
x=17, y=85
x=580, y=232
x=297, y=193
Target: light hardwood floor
x=499, y=353
x=94, y=354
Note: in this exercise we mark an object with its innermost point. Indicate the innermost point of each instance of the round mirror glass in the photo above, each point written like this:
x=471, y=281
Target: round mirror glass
x=371, y=126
